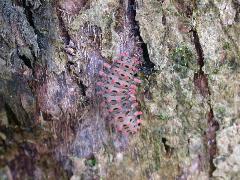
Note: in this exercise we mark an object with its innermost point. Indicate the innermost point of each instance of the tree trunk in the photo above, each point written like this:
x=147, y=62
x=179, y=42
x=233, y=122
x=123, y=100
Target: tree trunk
x=53, y=124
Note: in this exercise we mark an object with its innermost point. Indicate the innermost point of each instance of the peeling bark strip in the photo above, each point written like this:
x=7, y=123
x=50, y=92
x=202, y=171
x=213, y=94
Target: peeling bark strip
x=201, y=83
x=64, y=32
x=118, y=89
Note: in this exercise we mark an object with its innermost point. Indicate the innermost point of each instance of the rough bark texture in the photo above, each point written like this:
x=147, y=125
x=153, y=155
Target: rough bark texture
x=50, y=54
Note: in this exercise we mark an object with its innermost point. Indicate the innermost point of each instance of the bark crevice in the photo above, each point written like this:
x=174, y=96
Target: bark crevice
x=148, y=67
x=202, y=85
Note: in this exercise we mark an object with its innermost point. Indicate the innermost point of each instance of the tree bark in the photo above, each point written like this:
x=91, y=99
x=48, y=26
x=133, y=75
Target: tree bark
x=51, y=53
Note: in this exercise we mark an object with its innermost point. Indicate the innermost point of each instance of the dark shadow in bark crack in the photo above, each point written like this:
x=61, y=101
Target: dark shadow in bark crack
x=201, y=84
x=148, y=67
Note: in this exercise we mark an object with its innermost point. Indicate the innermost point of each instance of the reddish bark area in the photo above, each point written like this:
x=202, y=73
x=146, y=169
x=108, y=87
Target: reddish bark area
x=72, y=7
x=201, y=83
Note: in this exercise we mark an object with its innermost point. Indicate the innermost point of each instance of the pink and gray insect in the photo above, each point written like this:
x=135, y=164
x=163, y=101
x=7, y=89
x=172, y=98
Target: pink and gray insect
x=118, y=88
